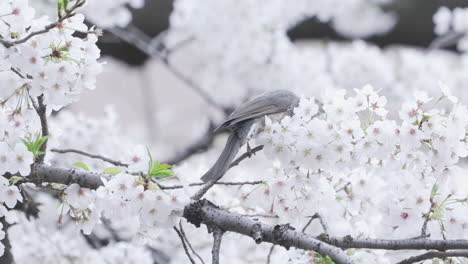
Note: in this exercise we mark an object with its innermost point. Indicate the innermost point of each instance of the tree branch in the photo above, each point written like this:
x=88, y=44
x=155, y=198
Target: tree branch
x=7, y=257
x=141, y=41
x=41, y=112
x=68, y=14
x=435, y=254
x=204, y=212
x=94, y=156
x=395, y=244
x=173, y=187
x=198, y=195
x=184, y=245
x=41, y=173
x=188, y=243
x=217, y=237
x=198, y=146
x=322, y=223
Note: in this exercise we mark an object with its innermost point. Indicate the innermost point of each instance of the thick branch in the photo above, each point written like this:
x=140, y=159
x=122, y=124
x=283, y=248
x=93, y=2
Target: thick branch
x=94, y=156
x=395, y=244
x=435, y=254
x=42, y=173
x=204, y=212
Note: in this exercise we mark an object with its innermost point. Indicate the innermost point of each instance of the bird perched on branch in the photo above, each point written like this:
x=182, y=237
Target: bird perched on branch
x=240, y=122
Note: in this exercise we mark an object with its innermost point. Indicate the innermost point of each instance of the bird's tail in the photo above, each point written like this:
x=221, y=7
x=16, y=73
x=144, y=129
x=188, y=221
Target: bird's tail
x=233, y=145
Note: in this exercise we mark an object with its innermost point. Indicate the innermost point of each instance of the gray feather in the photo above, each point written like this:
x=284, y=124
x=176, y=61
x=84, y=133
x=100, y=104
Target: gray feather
x=268, y=103
x=240, y=122
x=235, y=141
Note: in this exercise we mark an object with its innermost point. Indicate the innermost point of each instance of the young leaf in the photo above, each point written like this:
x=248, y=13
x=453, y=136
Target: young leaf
x=162, y=173
x=15, y=179
x=81, y=165
x=435, y=189
x=112, y=171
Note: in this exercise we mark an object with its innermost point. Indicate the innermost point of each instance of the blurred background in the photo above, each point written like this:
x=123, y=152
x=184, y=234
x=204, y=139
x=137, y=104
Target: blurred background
x=414, y=27
x=159, y=97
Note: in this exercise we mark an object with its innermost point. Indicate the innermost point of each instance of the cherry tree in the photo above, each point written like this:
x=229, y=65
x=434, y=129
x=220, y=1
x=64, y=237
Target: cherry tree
x=369, y=168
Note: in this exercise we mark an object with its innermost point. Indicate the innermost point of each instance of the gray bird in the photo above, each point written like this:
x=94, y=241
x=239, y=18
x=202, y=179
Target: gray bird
x=240, y=122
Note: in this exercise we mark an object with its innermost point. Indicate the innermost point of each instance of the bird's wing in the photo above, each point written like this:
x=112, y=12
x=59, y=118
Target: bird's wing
x=250, y=110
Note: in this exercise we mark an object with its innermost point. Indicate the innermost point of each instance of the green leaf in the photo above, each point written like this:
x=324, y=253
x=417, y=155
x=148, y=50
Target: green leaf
x=27, y=144
x=161, y=173
x=425, y=118
x=81, y=165
x=112, y=171
x=150, y=162
x=15, y=179
x=164, y=166
x=434, y=190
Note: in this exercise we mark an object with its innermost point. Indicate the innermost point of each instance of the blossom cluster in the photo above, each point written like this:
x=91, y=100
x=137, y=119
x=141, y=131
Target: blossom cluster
x=263, y=57
x=124, y=198
x=57, y=64
x=61, y=242
x=380, y=174
x=453, y=21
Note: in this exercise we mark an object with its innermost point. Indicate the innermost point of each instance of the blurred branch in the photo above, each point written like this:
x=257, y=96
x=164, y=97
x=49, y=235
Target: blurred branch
x=446, y=40
x=94, y=156
x=270, y=253
x=7, y=257
x=198, y=146
x=156, y=49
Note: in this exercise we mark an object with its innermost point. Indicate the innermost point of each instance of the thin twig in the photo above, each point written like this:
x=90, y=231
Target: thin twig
x=163, y=187
x=184, y=245
x=435, y=254
x=198, y=195
x=94, y=156
x=189, y=244
x=69, y=13
x=322, y=223
x=217, y=237
x=272, y=248
x=247, y=154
